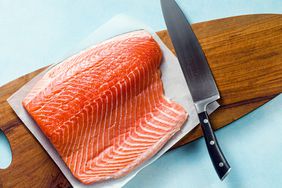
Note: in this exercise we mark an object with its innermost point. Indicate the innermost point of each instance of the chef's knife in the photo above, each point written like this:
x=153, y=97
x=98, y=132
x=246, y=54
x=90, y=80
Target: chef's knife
x=198, y=76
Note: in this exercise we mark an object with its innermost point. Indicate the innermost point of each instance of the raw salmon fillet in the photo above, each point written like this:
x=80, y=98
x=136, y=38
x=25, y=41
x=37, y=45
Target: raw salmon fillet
x=104, y=110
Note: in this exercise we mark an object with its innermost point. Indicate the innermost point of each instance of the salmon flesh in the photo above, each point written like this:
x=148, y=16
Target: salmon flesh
x=104, y=109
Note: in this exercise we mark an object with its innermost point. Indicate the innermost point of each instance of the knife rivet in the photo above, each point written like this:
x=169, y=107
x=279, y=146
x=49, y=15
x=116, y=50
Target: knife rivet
x=220, y=164
x=211, y=142
x=206, y=121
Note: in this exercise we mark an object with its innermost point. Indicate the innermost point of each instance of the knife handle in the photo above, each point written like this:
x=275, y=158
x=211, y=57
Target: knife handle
x=219, y=162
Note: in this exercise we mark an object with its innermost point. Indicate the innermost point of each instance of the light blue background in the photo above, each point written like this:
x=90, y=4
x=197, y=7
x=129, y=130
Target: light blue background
x=36, y=33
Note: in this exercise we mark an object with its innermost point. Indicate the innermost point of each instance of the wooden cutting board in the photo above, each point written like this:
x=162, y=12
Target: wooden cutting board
x=244, y=53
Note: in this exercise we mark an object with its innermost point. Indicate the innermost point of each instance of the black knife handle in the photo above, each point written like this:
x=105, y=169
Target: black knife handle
x=219, y=162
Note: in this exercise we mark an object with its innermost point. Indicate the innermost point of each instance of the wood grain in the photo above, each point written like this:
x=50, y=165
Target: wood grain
x=245, y=55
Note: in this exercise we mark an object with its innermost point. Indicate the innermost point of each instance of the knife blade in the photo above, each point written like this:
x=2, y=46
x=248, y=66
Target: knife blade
x=198, y=77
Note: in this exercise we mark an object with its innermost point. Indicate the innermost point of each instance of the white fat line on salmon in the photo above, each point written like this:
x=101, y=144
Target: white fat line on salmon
x=89, y=127
x=149, y=136
x=90, y=114
x=138, y=99
x=81, y=139
x=105, y=121
x=172, y=109
x=141, y=137
x=166, y=114
x=67, y=145
x=110, y=116
x=98, y=123
x=118, y=154
x=121, y=110
x=129, y=100
x=85, y=146
x=66, y=141
x=80, y=128
x=106, y=165
x=159, y=127
x=98, y=169
x=148, y=130
x=73, y=139
x=136, y=145
x=94, y=128
x=116, y=115
x=135, y=98
x=125, y=114
x=116, y=166
x=167, y=123
x=113, y=163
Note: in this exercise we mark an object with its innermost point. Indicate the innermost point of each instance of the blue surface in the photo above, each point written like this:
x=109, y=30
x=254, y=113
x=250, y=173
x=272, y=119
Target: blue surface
x=5, y=152
x=37, y=33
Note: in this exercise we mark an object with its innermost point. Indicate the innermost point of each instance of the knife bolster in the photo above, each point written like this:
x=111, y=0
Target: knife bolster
x=201, y=106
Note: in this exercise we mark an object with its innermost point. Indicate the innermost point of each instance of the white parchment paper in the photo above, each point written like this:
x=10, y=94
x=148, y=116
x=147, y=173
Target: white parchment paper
x=174, y=85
